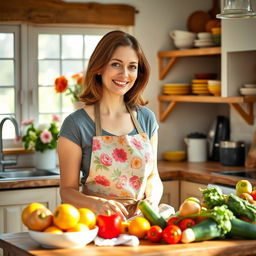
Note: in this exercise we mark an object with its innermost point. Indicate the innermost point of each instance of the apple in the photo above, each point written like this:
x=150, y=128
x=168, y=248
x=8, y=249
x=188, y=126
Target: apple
x=243, y=186
x=109, y=225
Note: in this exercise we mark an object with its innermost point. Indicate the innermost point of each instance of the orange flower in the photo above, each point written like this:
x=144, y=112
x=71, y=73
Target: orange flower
x=107, y=139
x=79, y=78
x=136, y=163
x=61, y=84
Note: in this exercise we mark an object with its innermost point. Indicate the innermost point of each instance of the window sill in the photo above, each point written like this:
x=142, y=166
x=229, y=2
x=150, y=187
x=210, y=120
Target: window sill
x=16, y=151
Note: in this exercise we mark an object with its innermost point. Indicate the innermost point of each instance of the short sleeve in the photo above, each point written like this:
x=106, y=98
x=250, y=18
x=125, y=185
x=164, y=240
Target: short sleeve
x=70, y=130
x=148, y=121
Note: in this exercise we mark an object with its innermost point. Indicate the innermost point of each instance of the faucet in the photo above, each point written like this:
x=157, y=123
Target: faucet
x=3, y=162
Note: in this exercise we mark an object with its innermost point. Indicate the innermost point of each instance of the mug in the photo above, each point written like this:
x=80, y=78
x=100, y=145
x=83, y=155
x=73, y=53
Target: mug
x=196, y=149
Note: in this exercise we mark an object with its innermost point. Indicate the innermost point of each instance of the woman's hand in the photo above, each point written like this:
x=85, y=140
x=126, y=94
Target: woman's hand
x=112, y=206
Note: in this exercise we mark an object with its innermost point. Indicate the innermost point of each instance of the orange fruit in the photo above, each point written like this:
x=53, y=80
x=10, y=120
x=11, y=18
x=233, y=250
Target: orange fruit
x=39, y=219
x=139, y=227
x=66, y=216
x=79, y=227
x=29, y=209
x=124, y=227
x=87, y=217
x=53, y=230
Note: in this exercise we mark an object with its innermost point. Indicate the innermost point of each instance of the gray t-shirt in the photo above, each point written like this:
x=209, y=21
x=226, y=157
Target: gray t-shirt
x=80, y=128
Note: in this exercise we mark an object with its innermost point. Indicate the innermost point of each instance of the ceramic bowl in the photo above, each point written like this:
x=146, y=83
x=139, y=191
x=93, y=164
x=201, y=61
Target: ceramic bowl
x=65, y=240
x=215, y=89
x=184, y=43
x=182, y=34
x=174, y=155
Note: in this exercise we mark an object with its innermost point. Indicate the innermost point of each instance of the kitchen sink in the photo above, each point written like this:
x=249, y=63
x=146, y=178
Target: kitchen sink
x=250, y=174
x=28, y=174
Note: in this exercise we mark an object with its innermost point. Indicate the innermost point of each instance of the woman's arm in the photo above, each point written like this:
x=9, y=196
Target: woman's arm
x=70, y=157
x=154, y=188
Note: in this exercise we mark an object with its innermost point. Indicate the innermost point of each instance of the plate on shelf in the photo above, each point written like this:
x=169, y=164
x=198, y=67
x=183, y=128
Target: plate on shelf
x=250, y=85
x=248, y=91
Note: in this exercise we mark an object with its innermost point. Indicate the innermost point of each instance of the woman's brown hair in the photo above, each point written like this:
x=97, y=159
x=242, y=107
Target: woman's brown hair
x=92, y=91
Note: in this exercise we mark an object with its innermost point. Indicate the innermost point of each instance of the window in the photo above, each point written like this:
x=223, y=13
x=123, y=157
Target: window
x=31, y=58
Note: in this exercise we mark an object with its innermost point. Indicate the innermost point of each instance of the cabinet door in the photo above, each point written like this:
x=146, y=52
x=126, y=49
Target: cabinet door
x=12, y=203
x=171, y=193
x=190, y=189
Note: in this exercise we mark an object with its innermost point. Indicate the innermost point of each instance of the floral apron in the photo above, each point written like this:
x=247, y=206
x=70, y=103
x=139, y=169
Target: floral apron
x=120, y=165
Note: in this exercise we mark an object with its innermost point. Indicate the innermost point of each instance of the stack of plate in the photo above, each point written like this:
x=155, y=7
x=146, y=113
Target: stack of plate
x=176, y=88
x=200, y=86
x=204, y=40
x=248, y=90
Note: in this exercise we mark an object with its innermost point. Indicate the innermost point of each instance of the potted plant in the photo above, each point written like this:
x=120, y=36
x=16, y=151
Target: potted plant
x=43, y=139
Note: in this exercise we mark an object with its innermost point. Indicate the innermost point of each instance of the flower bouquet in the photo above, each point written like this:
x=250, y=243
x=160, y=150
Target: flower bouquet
x=61, y=85
x=42, y=137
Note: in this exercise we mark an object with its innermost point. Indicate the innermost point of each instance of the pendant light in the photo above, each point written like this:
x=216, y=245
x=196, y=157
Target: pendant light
x=237, y=9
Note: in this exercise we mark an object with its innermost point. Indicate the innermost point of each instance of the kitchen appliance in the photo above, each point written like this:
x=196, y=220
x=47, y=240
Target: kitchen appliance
x=232, y=153
x=220, y=131
x=196, y=147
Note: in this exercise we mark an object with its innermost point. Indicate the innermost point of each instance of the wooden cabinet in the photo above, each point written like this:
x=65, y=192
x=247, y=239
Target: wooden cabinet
x=190, y=189
x=171, y=193
x=12, y=203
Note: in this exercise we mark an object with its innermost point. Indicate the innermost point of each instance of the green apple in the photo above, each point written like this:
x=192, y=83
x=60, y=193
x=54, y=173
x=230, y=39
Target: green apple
x=243, y=186
x=194, y=199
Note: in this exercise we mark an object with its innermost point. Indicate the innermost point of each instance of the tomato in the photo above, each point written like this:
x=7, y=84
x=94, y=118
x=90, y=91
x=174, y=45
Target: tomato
x=109, y=225
x=186, y=223
x=154, y=234
x=172, y=234
x=173, y=220
x=253, y=194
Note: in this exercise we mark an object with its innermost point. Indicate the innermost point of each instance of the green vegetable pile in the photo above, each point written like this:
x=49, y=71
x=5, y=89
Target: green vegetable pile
x=226, y=209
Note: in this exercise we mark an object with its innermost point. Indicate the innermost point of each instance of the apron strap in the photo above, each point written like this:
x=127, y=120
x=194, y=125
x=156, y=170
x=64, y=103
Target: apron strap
x=135, y=121
x=97, y=119
x=98, y=122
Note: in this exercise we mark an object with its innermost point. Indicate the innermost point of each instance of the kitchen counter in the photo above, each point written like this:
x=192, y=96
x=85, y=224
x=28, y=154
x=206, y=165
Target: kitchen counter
x=196, y=172
x=21, y=244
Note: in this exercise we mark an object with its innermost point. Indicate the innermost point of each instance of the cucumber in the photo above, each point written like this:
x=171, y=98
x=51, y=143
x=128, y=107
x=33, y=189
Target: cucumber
x=153, y=217
x=206, y=230
x=242, y=229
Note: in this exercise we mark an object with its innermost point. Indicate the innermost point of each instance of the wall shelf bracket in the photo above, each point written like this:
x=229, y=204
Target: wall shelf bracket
x=247, y=114
x=164, y=68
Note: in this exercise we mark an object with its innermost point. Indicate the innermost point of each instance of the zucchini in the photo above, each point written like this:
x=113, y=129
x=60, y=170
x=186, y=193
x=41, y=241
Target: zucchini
x=205, y=230
x=153, y=217
x=243, y=229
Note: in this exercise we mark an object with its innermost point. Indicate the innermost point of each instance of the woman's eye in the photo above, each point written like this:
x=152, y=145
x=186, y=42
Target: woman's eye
x=115, y=64
x=133, y=67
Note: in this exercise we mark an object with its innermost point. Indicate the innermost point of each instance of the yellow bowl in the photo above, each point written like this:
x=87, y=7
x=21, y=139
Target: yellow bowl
x=174, y=155
x=215, y=89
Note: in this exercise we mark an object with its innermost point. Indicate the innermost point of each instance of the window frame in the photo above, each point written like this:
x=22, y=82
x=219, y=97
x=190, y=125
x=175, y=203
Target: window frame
x=26, y=66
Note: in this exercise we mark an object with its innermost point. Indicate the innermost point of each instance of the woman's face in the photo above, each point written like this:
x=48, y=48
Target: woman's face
x=121, y=71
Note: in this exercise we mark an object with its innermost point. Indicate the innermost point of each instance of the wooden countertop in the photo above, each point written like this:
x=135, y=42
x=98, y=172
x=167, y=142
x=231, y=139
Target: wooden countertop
x=196, y=172
x=21, y=244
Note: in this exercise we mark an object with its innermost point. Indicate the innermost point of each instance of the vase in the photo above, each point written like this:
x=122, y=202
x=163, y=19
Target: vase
x=45, y=160
x=78, y=105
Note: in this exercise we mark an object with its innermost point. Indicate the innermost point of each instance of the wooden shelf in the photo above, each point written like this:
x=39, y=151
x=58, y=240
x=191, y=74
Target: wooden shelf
x=166, y=59
x=235, y=102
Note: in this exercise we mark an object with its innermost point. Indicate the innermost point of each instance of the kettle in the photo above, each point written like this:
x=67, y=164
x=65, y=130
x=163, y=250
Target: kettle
x=196, y=147
x=220, y=131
